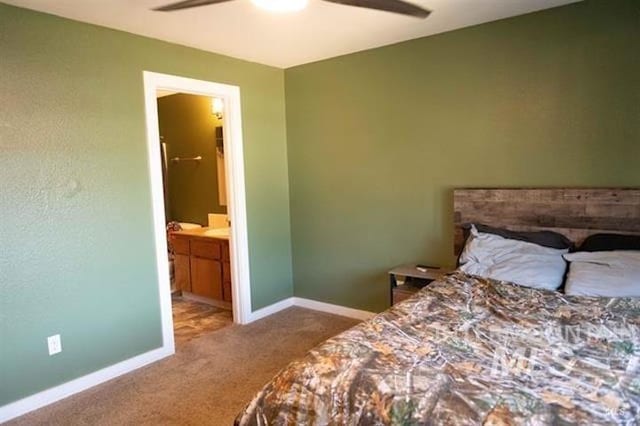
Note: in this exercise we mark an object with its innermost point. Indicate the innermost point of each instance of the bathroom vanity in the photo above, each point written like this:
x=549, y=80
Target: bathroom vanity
x=201, y=263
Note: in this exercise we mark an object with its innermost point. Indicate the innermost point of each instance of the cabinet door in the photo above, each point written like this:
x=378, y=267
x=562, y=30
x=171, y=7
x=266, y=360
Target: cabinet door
x=206, y=277
x=226, y=281
x=227, y=291
x=182, y=272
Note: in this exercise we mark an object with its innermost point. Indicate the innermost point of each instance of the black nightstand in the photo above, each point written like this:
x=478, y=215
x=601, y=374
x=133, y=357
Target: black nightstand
x=406, y=280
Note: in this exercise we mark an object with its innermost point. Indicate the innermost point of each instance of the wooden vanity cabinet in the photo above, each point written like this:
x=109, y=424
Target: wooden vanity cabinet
x=202, y=266
x=206, y=277
x=226, y=274
x=182, y=272
x=181, y=266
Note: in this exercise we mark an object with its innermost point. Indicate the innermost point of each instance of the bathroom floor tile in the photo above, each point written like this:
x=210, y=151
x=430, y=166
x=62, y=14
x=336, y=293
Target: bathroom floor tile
x=192, y=320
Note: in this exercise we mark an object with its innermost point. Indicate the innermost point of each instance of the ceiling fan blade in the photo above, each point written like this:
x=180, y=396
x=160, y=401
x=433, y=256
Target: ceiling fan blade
x=186, y=4
x=394, y=6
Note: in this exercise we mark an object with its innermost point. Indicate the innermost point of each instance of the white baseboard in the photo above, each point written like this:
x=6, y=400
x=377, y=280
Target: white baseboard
x=333, y=309
x=49, y=396
x=271, y=309
x=311, y=304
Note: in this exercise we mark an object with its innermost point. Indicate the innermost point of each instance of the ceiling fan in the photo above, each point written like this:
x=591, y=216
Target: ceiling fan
x=394, y=6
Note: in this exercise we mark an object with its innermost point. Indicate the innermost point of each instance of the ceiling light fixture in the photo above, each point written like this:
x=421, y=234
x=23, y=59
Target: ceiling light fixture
x=281, y=6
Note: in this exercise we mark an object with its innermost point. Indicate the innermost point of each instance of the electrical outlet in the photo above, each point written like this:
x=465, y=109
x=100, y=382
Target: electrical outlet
x=55, y=344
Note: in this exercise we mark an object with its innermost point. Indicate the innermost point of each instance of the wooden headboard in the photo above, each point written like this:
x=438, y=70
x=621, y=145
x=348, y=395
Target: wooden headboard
x=574, y=212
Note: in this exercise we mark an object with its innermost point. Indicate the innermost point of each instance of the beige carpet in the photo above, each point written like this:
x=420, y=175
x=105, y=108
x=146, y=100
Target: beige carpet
x=207, y=382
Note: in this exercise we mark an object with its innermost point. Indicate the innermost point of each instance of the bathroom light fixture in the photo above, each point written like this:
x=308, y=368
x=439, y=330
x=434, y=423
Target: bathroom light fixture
x=217, y=106
x=281, y=6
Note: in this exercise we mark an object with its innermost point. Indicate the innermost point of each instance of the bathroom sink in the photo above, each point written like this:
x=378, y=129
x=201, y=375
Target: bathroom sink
x=217, y=232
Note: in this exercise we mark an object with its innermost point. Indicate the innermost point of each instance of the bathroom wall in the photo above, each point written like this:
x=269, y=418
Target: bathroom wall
x=187, y=127
x=77, y=255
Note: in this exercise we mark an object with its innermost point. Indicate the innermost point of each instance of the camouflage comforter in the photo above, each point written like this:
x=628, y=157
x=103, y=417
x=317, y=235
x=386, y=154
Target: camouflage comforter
x=468, y=351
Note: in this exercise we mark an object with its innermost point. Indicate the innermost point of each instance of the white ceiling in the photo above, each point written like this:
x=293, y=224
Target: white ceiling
x=320, y=31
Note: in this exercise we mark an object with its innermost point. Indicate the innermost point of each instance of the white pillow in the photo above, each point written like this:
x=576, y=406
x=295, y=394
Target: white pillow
x=604, y=273
x=519, y=262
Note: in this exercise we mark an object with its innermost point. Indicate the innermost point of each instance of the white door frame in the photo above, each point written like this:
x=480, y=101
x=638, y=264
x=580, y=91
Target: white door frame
x=237, y=210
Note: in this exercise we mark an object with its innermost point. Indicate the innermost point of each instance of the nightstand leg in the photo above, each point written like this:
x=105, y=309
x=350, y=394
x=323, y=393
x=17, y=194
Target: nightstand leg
x=392, y=284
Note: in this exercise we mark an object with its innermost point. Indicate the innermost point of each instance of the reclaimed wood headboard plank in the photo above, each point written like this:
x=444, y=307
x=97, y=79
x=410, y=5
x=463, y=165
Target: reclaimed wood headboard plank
x=574, y=212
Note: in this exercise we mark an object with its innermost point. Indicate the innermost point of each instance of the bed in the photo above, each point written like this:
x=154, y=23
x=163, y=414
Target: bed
x=471, y=350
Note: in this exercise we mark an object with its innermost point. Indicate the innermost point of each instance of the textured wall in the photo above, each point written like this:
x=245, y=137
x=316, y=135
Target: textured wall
x=378, y=139
x=188, y=127
x=77, y=254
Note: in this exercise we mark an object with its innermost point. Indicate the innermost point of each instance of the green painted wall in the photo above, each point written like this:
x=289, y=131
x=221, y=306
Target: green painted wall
x=188, y=127
x=77, y=254
x=377, y=140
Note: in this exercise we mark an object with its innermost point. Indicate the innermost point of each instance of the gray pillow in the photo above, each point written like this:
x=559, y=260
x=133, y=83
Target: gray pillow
x=607, y=242
x=542, y=238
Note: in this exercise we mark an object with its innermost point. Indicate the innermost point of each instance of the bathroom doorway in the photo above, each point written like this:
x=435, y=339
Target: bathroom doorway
x=195, y=200
x=194, y=139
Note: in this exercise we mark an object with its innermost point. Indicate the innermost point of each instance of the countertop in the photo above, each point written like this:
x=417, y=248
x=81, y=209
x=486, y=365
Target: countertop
x=217, y=233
